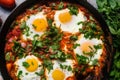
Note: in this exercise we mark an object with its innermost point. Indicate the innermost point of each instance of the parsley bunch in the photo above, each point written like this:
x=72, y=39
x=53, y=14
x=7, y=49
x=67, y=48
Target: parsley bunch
x=110, y=9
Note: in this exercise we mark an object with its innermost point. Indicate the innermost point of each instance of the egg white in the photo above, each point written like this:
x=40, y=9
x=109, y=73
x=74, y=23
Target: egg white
x=71, y=26
x=30, y=75
x=94, y=41
x=56, y=65
x=29, y=22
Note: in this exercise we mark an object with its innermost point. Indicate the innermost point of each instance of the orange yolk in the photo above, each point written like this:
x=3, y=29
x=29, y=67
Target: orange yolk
x=40, y=25
x=58, y=75
x=65, y=17
x=33, y=65
x=86, y=47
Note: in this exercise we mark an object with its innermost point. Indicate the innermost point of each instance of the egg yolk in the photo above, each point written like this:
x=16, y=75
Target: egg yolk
x=33, y=65
x=86, y=47
x=40, y=25
x=65, y=17
x=58, y=75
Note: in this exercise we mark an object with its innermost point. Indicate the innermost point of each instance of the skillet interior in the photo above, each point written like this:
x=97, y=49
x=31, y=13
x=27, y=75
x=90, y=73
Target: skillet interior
x=4, y=29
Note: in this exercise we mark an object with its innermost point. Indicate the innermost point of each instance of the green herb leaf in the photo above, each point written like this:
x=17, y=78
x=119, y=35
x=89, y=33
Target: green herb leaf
x=26, y=73
x=12, y=58
x=69, y=68
x=66, y=67
x=110, y=10
x=99, y=46
x=95, y=62
x=74, y=38
x=25, y=64
x=55, y=47
x=81, y=22
x=19, y=74
x=82, y=59
x=7, y=56
x=43, y=78
x=39, y=44
x=48, y=64
x=50, y=22
x=90, y=30
x=63, y=66
x=61, y=6
x=112, y=3
x=73, y=10
x=18, y=49
x=53, y=31
x=40, y=73
x=23, y=25
x=60, y=56
x=25, y=29
x=76, y=45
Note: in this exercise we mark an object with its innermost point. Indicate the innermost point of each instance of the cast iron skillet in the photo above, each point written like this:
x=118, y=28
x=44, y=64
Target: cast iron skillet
x=4, y=29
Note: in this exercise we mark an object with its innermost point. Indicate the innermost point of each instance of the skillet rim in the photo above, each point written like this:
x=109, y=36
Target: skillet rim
x=22, y=7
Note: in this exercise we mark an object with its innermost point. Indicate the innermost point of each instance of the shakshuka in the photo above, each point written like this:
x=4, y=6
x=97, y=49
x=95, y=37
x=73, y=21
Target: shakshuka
x=58, y=41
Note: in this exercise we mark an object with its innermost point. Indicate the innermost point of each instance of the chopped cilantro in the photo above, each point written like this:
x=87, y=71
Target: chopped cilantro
x=74, y=38
x=18, y=49
x=7, y=56
x=23, y=25
x=50, y=22
x=39, y=44
x=16, y=46
x=36, y=43
x=53, y=31
x=82, y=59
x=67, y=67
x=61, y=6
x=90, y=30
x=12, y=57
x=99, y=46
x=40, y=73
x=34, y=26
x=19, y=74
x=63, y=66
x=25, y=28
x=91, y=53
x=25, y=64
x=93, y=50
x=26, y=73
x=76, y=45
x=81, y=22
x=36, y=36
x=55, y=47
x=48, y=64
x=95, y=62
x=43, y=78
x=60, y=56
x=20, y=54
x=73, y=10
x=42, y=56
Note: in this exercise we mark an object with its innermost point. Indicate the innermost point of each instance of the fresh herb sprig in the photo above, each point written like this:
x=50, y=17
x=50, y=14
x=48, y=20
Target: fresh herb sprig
x=110, y=10
x=25, y=28
x=90, y=29
x=73, y=10
x=18, y=49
